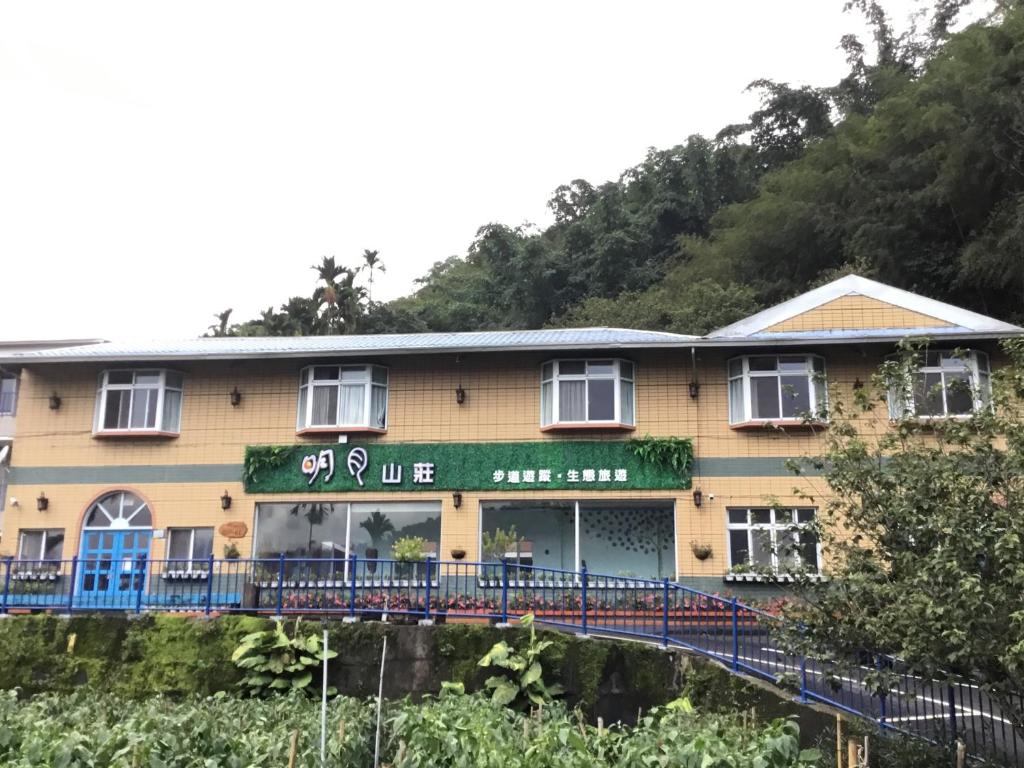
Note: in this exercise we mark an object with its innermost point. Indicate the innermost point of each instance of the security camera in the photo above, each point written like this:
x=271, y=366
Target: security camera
x=711, y=497
x=14, y=502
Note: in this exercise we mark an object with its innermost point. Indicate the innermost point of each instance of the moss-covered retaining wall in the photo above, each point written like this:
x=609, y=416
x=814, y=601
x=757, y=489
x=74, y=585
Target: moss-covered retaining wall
x=178, y=656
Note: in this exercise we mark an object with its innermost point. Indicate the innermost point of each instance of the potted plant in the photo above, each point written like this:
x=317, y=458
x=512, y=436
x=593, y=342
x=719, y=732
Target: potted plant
x=700, y=551
x=378, y=527
x=407, y=551
x=231, y=551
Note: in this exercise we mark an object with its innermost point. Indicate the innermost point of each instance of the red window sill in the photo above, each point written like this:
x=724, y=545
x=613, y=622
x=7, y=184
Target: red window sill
x=120, y=434
x=594, y=425
x=789, y=424
x=340, y=431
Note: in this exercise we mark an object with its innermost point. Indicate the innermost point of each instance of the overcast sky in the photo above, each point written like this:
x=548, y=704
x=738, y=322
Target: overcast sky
x=162, y=162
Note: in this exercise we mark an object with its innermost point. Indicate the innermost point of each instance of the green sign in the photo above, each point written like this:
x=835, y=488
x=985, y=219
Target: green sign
x=376, y=467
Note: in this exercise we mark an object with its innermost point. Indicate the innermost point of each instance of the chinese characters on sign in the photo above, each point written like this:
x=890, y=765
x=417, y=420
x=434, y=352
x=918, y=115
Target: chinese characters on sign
x=534, y=476
x=357, y=462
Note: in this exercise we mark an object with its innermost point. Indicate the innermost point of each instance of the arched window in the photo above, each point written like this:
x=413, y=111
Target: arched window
x=119, y=509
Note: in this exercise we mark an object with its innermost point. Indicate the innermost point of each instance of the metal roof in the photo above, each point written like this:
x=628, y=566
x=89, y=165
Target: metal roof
x=235, y=347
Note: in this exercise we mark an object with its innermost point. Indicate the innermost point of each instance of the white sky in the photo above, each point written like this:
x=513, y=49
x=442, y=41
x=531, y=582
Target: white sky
x=161, y=162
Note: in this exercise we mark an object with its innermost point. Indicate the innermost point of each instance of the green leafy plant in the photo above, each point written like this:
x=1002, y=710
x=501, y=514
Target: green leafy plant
x=231, y=551
x=274, y=662
x=409, y=549
x=260, y=458
x=496, y=544
x=525, y=678
x=674, y=454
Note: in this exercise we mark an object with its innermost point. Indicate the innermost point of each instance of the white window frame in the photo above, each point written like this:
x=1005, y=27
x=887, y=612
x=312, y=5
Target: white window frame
x=191, y=562
x=104, y=387
x=776, y=528
x=974, y=363
x=817, y=389
x=14, y=399
x=304, y=414
x=38, y=557
x=616, y=375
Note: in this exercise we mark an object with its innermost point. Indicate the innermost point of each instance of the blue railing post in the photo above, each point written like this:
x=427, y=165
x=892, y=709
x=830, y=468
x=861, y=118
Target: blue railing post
x=352, y=586
x=735, y=634
x=952, y=714
x=141, y=576
x=209, y=585
x=583, y=599
x=803, y=679
x=426, y=601
x=280, y=585
x=73, y=583
x=504, y=591
x=664, y=613
x=7, y=582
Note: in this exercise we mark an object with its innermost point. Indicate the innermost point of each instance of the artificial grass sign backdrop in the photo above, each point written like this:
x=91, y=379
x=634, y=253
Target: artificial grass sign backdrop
x=608, y=465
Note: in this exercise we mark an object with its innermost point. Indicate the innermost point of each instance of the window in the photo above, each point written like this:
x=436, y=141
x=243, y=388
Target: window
x=765, y=388
x=772, y=540
x=948, y=384
x=332, y=530
x=343, y=397
x=189, y=547
x=45, y=544
x=119, y=510
x=587, y=392
x=138, y=401
x=628, y=539
x=8, y=395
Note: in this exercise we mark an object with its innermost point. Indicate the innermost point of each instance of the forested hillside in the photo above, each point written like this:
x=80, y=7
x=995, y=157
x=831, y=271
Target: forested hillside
x=910, y=170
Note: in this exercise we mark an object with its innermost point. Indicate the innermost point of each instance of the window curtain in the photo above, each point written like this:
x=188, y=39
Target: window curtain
x=325, y=405
x=378, y=407
x=353, y=403
x=572, y=401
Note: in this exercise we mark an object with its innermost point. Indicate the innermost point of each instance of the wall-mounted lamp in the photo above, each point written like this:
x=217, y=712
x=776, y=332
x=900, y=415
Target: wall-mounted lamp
x=236, y=397
x=694, y=389
x=460, y=395
x=54, y=401
x=698, y=497
x=858, y=384
x=225, y=501
x=42, y=503
x=457, y=499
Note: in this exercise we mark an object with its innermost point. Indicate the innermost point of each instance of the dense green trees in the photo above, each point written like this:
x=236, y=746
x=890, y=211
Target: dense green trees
x=911, y=170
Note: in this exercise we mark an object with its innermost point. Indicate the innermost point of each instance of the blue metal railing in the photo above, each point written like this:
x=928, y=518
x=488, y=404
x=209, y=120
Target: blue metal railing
x=741, y=637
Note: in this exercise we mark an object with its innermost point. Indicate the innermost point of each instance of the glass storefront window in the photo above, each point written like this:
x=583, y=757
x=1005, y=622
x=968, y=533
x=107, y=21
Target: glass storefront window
x=545, y=532
x=335, y=530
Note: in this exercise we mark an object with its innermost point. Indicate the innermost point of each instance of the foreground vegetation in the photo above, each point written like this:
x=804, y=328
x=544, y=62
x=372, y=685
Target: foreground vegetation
x=453, y=730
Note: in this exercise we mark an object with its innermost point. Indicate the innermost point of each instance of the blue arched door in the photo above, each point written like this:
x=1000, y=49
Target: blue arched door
x=115, y=547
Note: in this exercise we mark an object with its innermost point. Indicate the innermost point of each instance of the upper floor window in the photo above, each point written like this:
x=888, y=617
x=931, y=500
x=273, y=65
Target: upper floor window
x=766, y=388
x=139, y=401
x=579, y=392
x=8, y=395
x=948, y=383
x=779, y=541
x=343, y=397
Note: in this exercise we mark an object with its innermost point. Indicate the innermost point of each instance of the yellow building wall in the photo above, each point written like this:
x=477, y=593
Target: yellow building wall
x=856, y=312
x=502, y=404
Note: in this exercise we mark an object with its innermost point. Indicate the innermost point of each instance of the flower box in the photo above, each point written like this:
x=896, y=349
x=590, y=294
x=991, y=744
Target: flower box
x=185, y=575
x=34, y=576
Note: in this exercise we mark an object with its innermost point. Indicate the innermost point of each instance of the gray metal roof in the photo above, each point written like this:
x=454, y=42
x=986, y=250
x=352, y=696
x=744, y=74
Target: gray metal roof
x=235, y=347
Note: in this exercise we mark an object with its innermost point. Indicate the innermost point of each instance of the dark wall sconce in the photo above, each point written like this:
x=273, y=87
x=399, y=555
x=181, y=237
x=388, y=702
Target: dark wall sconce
x=42, y=503
x=694, y=389
x=858, y=384
x=457, y=499
x=225, y=501
x=54, y=402
x=460, y=395
x=236, y=397
x=698, y=497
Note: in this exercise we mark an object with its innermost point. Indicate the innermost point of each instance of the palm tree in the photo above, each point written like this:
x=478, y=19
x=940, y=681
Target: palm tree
x=220, y=328
x=377, y=525
x=371, y=263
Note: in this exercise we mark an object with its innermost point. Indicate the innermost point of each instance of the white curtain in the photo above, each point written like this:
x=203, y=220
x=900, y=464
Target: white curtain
x=353, y=404
x=325, y=405
x=572, y=401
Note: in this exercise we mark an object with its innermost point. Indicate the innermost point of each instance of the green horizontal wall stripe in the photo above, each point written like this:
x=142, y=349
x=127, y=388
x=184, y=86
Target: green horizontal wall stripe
x=759, y=466
x=142, y=473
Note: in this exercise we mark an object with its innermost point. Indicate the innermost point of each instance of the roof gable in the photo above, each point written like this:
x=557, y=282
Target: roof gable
x=854, y=303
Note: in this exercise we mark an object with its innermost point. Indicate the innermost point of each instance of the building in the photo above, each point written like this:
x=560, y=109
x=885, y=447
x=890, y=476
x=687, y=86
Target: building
x=330, y=446
x=9, y=375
